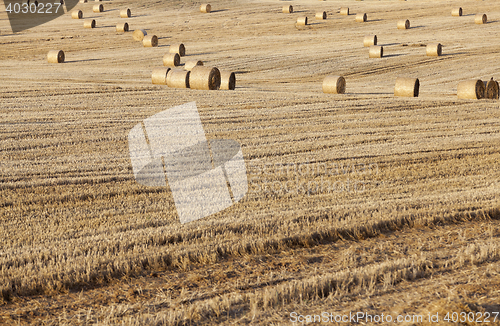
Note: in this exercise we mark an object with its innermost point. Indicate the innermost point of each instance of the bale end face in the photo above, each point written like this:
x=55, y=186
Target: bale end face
x=334, y=85
x=471, y=89
x=205, y=8
x=150, y=41
x=361, y=18
x=480, y=19
x=407, y=87
x=491, y=90
x=55, y=56
x=434, y=50
x=287, y=9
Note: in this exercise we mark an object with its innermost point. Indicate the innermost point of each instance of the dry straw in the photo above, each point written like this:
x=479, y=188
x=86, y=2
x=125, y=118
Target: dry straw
x=434, y=50
x=302, y=21
x=192, y=63
x=83, y=1
x=334, y=85
x=177, y=48
x=139, y=34
x=370, y=40
x=205, y=8
x=344, y=11
x=122, y=27
x=206, y=78
x=456, y=12
x=90, y=23
x=150, y=41
x=407, y=87
x=159, y=75
x=171, y=59
x=403, y=24
x=491, y=91
x=125, y=13
x=287, y=9
x=471, y=89
x=55, y=56
x=321, y=15
x=361, y=18
x=77, y=14
x=376, y=51
x=480, y=19
x=98, y=8
x=227, y=80
x=178, y=78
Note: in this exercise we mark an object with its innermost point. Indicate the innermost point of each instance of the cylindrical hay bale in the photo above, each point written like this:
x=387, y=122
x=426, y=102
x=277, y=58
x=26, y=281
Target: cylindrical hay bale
x=159, y=76
x=90, y=23
x=178, y=78
x=125, y=13
x=83, y=1
x=98, y=8
x=287, y=9
x=192, y=63
x=434, y=50
x=122, y=27
x=177, y=48
x=471, y=89
x=403, y=24
x=139, y=34
x=55, y=56
x=370, y=40
x=150, y=41
x=227, y=80
x=321, y=15
x=334, y=85
x=457, y=12
x=302, y=21
x=206, y=8
x=480, y=19
x=376, y=51
x=77, y=14
x=491, y=89
x=171, y=59
x=361, y=18
x=202, y=77
x=407, y=87
x=344, y=11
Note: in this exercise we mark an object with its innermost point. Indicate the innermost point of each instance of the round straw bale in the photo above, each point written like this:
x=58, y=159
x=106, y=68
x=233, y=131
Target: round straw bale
x=491, y=89
x=77, y=14
x=122, y=27
x=302, y=21
x=334, y=85
x=171, y=59
x=376, y=51
x=190, y=64
x=83, y=1
x=321, y=15
x=344, y=11
x=480, y=19
x=370, y=40
x=457, y=12
x=150, y=41
x=403, y=24
x=408, y=87
x=360, y=18
x=125, y=13
x=287, y=9
x=227, y=80
x=98, y=8
x=177, y=48
x=55, y=56
x=97, y=0
x=139, y=34
x=205, y=8
x=159, y=75
x=434, y=50
x=89, y=23
x=178, y=78
x=202, y=77
x=471, y=89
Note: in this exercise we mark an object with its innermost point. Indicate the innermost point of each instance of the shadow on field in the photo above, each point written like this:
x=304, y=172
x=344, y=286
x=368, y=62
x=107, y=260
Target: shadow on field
x=392, y=55
x=389, y=44
x=72, y=61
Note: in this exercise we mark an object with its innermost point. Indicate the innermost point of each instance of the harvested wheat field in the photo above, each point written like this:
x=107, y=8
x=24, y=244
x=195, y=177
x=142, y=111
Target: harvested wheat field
x=362, y=202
